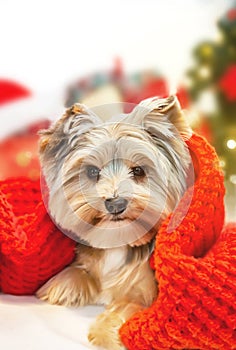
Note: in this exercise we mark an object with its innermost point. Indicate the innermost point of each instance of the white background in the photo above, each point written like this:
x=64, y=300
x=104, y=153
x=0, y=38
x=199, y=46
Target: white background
x=46, y=43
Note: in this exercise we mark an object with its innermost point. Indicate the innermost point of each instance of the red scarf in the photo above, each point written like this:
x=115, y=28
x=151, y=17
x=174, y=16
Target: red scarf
x=32, y=249
x=195, y=265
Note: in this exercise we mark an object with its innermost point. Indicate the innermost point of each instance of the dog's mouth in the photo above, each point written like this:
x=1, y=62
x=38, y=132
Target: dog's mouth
x=111, y=218
x=117, y=217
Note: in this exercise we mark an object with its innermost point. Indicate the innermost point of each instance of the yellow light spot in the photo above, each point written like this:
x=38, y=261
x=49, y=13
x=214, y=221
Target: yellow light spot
x=23, y=158
x=231, y=144
x=222, y=163
x=204, y=72
x=233, y=179
x=207, y=50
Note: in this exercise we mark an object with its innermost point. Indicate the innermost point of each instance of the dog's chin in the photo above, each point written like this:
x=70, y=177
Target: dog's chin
x=115, y=223
x=117, y=231
x=121, y=219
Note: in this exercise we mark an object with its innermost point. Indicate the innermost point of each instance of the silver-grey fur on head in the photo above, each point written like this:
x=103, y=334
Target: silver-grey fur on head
x=151, y=137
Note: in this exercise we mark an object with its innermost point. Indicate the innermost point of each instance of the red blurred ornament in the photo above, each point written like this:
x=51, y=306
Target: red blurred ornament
x=150, y=86
x=231, y=14
x=18, y=157
x=183, y=97
x=11, y=91
x=204, y=129
x=154, y=87
x=227, y=83
x=19, y=151
x=118, y=71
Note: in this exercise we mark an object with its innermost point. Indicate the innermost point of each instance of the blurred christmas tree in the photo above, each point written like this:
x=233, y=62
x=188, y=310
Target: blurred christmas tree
x=213, y=83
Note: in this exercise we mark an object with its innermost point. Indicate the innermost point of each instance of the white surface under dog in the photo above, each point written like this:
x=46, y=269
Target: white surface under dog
x=27, y=323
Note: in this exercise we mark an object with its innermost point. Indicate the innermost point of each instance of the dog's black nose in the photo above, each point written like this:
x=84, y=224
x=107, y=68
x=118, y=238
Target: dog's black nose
x=116, y=205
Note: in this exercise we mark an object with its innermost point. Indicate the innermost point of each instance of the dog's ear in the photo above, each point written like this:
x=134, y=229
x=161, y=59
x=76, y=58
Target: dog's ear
x=77, y=120
x=154, y=113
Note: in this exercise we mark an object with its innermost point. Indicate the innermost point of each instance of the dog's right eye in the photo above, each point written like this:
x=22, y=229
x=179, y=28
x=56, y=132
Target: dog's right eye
x=93, y=172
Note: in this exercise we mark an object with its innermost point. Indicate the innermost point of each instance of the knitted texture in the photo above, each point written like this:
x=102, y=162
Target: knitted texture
x=32, y=249
x=195, y=266
x=194, y=261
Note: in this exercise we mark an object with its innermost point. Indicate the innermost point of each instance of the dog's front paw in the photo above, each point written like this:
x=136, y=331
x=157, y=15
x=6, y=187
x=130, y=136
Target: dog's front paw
x=70, y=287
x=104, y=332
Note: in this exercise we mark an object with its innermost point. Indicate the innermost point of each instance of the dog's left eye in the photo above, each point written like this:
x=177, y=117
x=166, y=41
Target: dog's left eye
x=138, y=171
x=93, y=172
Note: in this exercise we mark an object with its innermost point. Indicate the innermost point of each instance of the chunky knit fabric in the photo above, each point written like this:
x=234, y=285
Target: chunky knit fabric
x=194, y=261
x=195, y=265
x=32, y=249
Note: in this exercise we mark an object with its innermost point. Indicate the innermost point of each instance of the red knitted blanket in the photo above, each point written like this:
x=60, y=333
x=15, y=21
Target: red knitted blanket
x=32, y=249
x=195, y=265
x=195, y=262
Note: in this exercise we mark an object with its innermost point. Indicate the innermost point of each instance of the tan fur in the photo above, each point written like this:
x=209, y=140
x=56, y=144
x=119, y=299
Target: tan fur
x=113, y=267
x=126, y=288
x=87, y=281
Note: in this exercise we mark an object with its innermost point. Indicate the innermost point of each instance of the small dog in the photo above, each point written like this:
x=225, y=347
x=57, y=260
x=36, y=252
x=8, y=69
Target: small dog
x=111, y=184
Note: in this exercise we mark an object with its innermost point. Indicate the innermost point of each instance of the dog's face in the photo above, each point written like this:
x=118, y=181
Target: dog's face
x=112, y=183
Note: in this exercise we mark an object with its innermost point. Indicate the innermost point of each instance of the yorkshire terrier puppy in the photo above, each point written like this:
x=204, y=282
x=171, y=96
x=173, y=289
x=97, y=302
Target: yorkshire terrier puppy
x=111, y=184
